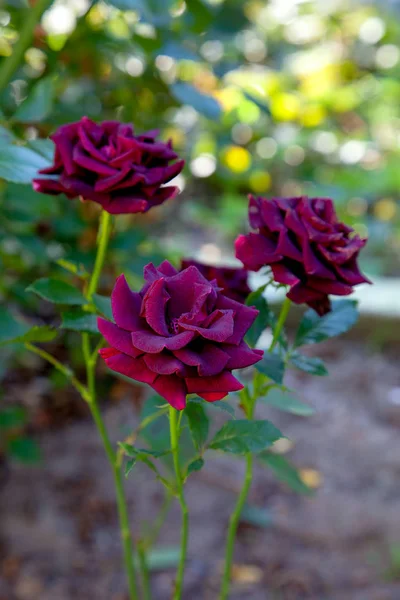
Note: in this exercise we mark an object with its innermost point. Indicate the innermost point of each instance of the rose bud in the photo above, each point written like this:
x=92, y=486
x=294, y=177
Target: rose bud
x=179, y=334
x=231, y=280
x=306, y=247
x=107, y=163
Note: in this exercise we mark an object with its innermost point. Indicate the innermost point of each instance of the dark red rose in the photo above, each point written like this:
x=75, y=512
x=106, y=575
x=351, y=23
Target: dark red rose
x=231, y=280
x=108, y=164
x=179, y=334
x=306, y=247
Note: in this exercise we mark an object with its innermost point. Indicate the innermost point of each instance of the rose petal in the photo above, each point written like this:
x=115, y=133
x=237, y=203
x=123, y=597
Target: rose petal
x=218, y=327
x=117, y=338
x=126, y=306
x=165, y=364
x=154, y=307
x=135, y=368
x=152, y=343
x=208, y=358
x=225, y=382
x=242, y=356
x=172, y=388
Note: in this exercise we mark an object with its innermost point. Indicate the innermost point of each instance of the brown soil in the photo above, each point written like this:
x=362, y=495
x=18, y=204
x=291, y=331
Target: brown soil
x=58, y=530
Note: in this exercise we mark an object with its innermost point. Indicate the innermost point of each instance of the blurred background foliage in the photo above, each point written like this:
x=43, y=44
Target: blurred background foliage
x=280, y=97
x=274, y=98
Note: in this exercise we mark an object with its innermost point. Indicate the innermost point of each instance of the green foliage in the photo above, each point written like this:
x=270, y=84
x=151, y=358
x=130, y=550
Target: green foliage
x=14, y=331
x=20, y=164
x=242, y=436
x=262, y=321
x=285, y=400
x=57, y=291
x=79, y=320
x=272, y=366
x=25, y=450
x=199, y=424
x=103, y=305
x=196, y=465
x=39, y=104
x=308, y=364
x=314, y=329
x=284, y=471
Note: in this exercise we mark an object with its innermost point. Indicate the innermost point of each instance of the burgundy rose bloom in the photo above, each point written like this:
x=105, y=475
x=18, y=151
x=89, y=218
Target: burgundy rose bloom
x=306, y=247
x=179, y=334
x=110, y=165
x=231, y=280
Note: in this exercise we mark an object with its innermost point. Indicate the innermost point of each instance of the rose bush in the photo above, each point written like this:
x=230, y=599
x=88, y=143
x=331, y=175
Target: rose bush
x=232, y=280
x=306, y=247
x=107, y=163
x=179, y=334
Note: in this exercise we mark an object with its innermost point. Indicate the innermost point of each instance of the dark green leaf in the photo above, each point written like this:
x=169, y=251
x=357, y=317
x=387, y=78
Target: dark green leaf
x=187, y=94
x=285, y=471
x=20, y=164
x=241, y=436
x=57, y=291
x=38, y=105
x=12, y=331
x=195, y=465
x=286, y=401
x=312, y=365
x=79, y=320
x=314, y=329
x=43, y=146
x=12, y=417
x=198, y=423
x=272, y=366
x=263, y=319
x=25, y=450
x=130, y=463
x=103, y=305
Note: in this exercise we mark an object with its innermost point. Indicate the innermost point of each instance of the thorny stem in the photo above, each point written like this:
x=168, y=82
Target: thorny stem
x=174, y=432
x=235, y=517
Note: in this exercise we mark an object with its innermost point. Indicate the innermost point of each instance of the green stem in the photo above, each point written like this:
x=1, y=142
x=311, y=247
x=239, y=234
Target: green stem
x=33, y=15
x=281, y=321
x=90, y=362
x=144, y=569
x=116, y=471
x=174, y=432
x=102, y=243
x=66, y=371
x=233, y=525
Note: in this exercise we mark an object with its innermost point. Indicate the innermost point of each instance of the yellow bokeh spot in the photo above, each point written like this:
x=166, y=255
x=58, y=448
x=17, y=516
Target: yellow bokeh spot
x=5, y=48
x=285, y=107
x=229, y=98
x=118, y=28
x=260, y=181
x=311, y=477
x=321, y=82
x=237, y=159
x=97, y=16
x=313, y=115
x=385, y=209
x=176, y=135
